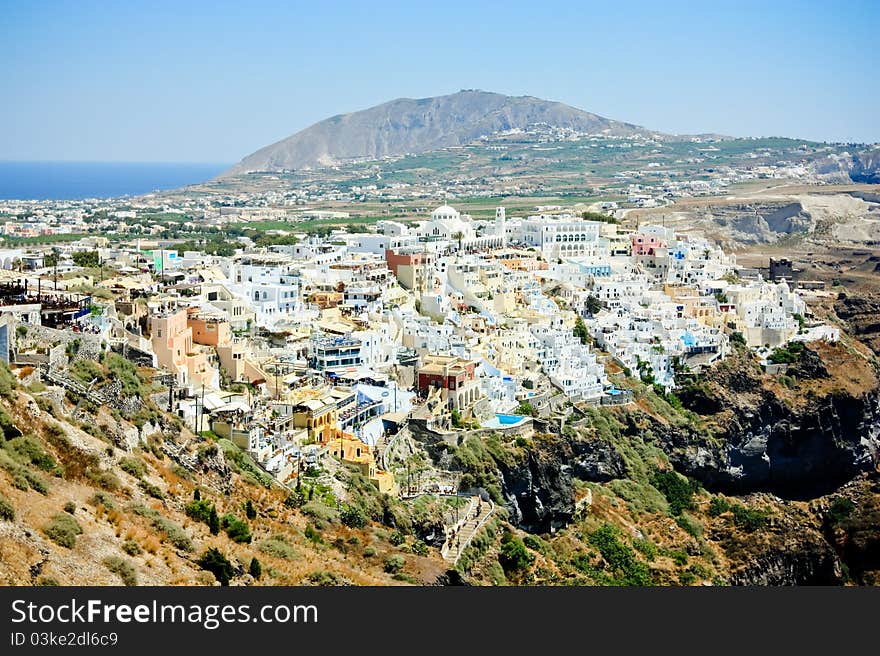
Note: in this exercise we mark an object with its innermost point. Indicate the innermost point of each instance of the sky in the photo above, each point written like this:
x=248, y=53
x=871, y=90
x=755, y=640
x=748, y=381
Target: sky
x=214, y=81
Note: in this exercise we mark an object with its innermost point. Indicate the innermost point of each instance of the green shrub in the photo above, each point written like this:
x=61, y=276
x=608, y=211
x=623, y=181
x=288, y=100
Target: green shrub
x=249, y=510
x=718, y=506
x=7, y=512
x=255, y=569
x=419, y=548
x=679, y=491
x=323, y=578
x=102, y=499
x=277, y=548
x=394, y=563
x=134, y=466
x=70, y=507
x=313, y=535
x=26, y=449
x=35, y=482
x=8, y=381
x=369, y=552
x=513, y=555
x=123, y=568
x=295, y=499
x=105, y=479
x=678, y=556
x=63, y=530
x=151, y=490
x=535, y=543
x=320, y=511
x=840, y=510
x=215, y=562
x=397, y=538
x=199, y=510
x=620, y=557
x=86, y=371
x=686, y=578
x=124, y=371
x=749, y=520
x=173, y=532
x=787, y=354
x=353, y=516
x=132, y=548
x=689, y=525
x=647, y=548
x=236, y=529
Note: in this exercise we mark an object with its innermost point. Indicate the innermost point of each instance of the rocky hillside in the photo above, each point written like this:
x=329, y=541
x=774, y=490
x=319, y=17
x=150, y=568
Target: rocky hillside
x=740, y=478
x=88, y=497
x=415, y=126
x=860, y=165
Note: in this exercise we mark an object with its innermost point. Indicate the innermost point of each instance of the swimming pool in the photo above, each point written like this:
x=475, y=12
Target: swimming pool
x=503, y=421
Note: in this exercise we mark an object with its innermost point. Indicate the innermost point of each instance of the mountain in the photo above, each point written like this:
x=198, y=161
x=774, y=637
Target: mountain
x=407, y=125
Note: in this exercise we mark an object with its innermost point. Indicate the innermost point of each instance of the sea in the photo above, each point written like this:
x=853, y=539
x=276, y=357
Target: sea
x=77, y=180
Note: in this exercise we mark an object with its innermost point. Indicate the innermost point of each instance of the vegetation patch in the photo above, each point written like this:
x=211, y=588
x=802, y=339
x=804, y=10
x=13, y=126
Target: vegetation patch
x=63, y=530
x=123, y=568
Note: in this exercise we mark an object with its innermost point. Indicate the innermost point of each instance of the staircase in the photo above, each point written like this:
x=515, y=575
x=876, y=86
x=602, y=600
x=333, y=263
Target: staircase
x=459, y=536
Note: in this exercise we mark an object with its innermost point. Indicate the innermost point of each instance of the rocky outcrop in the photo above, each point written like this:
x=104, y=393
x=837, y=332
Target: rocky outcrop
x=809, y=563
x=538, y=491
x=862, y=315
x=767, y=444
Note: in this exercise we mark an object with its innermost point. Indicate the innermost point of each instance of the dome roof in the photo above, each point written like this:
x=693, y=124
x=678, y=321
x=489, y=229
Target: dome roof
x=445, y=210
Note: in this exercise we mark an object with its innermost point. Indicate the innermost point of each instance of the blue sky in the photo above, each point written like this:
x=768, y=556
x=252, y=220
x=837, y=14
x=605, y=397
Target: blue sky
x=213, y=81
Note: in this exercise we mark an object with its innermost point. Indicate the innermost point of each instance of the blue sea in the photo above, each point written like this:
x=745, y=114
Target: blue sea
x=74, y=180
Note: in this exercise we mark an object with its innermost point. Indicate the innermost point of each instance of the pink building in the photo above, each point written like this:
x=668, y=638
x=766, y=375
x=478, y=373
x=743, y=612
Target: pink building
x=645, y=244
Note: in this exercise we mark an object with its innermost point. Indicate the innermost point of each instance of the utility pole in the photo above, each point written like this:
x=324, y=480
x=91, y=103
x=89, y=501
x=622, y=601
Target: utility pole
x=202, y=415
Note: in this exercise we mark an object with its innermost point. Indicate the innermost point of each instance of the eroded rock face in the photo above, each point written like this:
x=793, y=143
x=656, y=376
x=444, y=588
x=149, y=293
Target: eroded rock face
x=807, y=564
x=766, y=445
x=862, y=315
x=538, y=490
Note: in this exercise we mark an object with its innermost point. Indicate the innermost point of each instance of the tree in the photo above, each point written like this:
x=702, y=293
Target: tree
x=86, y=259
x=236, y=529
x=513, y=555
x=249, y=510
x=197, y=495
x=255, y=569
x=458, y=236
x=580, y=330
x=593, y=305
x=213, y=521
x=215, y=562
x=526, y=408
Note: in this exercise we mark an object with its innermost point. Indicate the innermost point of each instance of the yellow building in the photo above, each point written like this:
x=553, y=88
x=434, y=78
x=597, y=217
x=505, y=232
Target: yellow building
x=354, y=452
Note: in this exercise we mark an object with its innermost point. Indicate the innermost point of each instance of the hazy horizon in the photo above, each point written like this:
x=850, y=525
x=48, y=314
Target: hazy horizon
x=126, y=83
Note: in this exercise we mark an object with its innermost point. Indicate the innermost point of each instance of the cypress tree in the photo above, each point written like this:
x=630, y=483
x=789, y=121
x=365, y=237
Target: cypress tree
x=213, y=521
x=249, y=511
x=255, y=569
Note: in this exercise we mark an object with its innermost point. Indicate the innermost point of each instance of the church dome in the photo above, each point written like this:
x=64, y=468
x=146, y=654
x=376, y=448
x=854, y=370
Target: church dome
x=445, y=212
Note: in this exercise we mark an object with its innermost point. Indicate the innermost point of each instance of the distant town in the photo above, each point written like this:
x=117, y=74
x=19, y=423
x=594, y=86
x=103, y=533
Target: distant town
x=306, y=345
